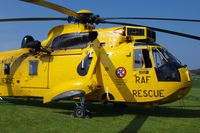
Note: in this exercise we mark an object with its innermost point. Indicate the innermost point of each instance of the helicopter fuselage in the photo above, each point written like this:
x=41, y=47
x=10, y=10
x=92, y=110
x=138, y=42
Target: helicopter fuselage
x=119, y=64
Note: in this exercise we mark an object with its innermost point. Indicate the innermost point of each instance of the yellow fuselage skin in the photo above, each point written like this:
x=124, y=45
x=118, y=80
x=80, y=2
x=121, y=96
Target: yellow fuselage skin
x=57, y=71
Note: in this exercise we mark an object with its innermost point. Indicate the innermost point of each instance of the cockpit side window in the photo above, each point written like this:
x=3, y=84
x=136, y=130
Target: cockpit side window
x=166, y=65
x=158, y=58
x=142, y=58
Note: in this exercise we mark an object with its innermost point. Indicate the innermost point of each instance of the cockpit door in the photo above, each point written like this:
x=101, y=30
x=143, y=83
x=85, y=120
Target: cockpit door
x=144, y=76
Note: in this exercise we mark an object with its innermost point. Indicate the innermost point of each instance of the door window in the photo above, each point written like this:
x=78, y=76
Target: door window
x=138, y=58
x=33, y=67
x=142, y=59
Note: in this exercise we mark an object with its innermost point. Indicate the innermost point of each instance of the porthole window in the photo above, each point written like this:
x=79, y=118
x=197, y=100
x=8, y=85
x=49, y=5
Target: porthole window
x=6, y=69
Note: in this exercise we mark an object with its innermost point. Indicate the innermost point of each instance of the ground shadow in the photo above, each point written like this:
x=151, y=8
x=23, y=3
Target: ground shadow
x=101, y=110
x=135, y=124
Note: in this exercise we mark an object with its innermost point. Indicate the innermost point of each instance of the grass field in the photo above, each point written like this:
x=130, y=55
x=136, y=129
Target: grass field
x=19, y=116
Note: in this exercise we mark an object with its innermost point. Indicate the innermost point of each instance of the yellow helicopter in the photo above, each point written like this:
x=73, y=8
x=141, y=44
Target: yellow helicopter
x=118, y=64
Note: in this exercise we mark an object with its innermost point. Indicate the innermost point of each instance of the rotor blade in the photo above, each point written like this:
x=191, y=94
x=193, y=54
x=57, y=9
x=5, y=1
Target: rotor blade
x=30, y=19
x=163, y=19
x=53, y=6
x=156, y=29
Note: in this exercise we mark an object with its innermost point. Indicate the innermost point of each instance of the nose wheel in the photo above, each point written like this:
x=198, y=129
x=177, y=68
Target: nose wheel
x=81, y=110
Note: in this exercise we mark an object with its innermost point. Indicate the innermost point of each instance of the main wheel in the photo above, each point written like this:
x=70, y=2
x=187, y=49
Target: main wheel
x=80, y=112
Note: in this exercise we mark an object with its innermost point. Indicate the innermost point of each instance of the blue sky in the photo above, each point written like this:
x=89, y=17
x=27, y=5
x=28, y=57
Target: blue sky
x=186, y=50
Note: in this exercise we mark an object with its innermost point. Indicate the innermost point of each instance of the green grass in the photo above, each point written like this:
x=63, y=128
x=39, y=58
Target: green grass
x=19, y=116
x=196, y=81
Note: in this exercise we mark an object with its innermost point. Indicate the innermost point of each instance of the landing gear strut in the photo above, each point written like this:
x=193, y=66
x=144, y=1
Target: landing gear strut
x=81, y=110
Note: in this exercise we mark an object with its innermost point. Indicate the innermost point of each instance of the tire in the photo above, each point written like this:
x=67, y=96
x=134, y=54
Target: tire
x=80, y=112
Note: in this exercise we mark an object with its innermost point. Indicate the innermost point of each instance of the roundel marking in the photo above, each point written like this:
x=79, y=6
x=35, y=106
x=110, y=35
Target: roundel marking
x=121, y=72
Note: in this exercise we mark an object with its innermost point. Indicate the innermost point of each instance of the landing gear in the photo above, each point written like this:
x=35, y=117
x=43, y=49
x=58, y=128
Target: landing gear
x=81, y=110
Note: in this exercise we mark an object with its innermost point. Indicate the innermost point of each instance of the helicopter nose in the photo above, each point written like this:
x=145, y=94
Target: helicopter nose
x=182, y=92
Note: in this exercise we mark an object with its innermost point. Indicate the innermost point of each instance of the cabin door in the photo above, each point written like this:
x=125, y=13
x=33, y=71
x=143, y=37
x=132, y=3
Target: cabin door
x=32, y=72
